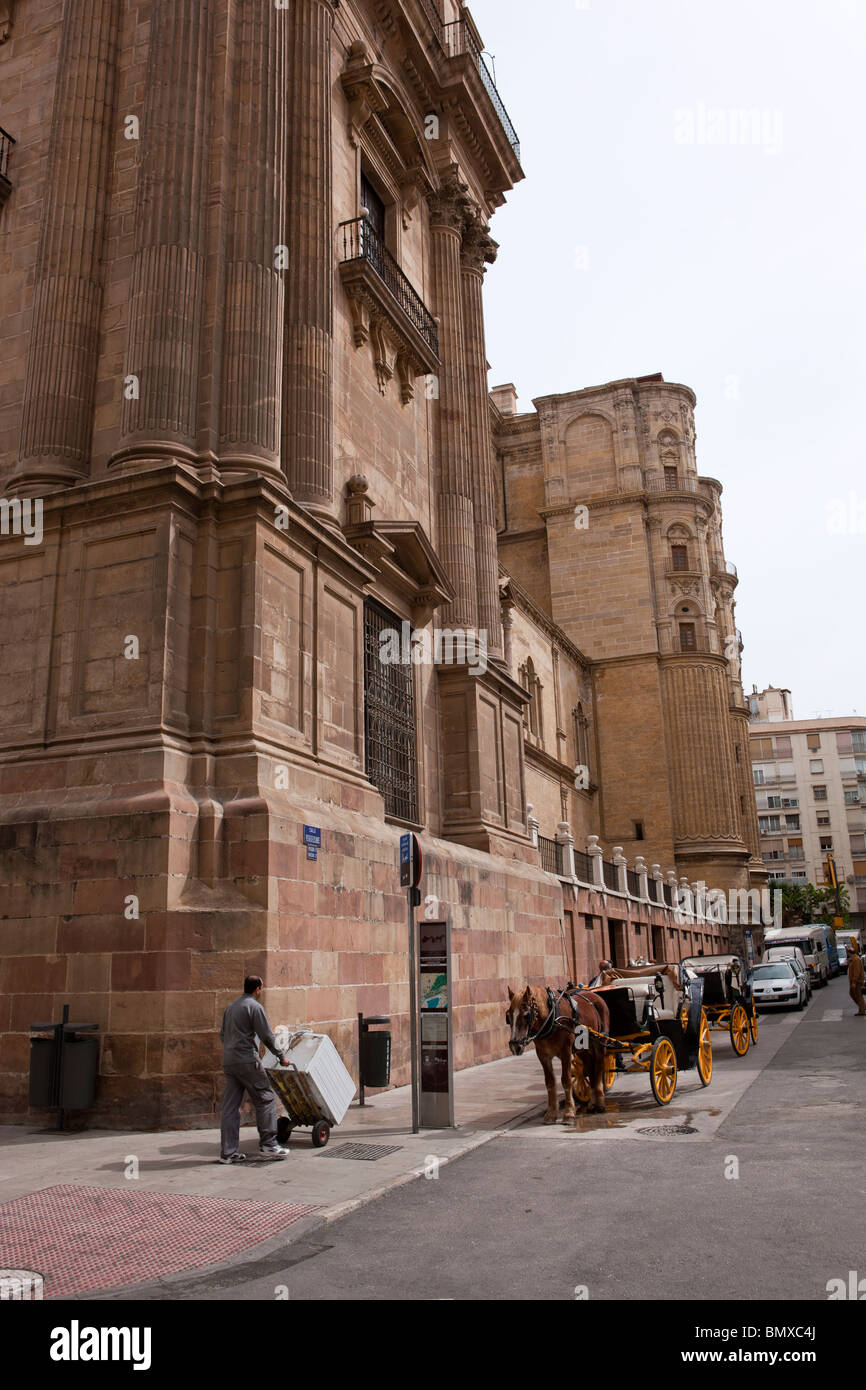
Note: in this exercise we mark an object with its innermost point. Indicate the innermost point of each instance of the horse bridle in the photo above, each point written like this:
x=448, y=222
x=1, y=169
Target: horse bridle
x=554, y=1018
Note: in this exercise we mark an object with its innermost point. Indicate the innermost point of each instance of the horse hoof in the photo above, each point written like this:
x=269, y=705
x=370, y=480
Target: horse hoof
x=549, y=1119
x=568, y=1117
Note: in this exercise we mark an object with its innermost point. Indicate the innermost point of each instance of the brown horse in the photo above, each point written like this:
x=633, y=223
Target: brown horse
x=529, y=1018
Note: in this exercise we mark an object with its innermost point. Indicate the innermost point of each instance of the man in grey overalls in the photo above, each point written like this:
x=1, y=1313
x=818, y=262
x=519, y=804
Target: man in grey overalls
x=243, y=1023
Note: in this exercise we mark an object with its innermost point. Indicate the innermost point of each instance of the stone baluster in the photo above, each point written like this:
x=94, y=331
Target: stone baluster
x=621, y=864
x=642, y=872
x=565, y=838
x=532, y=824
x=596, y=853
x=60, y=384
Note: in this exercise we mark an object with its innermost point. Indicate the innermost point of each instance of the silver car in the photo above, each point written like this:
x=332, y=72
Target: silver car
x=778, y=985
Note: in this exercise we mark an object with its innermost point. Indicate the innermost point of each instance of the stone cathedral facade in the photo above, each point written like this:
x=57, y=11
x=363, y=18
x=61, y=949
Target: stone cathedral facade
x=245, y=435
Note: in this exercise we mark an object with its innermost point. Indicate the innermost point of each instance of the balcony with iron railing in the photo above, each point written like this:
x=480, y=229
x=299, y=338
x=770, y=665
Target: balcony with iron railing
x=6, y=143
x=552, y=859
x=459, y=39
x=379, y=290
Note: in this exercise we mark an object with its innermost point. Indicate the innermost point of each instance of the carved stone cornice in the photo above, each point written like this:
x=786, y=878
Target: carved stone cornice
x=479, y=249
x=450, y=203
x=363, y=93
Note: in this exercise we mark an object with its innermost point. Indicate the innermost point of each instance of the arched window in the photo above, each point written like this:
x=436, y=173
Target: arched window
x=532, y=714
x=581, y=737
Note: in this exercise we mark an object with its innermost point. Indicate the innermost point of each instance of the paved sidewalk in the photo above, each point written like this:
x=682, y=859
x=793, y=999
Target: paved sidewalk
x=487, y=1099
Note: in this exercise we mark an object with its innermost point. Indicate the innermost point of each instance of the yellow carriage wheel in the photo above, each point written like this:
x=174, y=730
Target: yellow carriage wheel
x=609, y=1070
x=739, y=1030
x=705, y=1052
x=663, y=1071
x=753, y=1023
x=580, y=1084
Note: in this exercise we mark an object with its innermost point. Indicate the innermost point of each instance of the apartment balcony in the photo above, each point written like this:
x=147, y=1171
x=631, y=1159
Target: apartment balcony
x=725, y=570
x=682, y=483
x=6, y=143
x=680, y=572
x=386, y=308
x=460, y=39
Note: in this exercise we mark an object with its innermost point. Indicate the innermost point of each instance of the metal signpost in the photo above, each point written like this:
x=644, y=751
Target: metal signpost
x=410, y=878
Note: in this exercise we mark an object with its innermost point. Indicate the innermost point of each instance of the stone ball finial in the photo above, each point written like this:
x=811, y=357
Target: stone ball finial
x=358, y=484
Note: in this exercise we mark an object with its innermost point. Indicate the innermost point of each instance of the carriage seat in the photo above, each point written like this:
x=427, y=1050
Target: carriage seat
x=646, y=986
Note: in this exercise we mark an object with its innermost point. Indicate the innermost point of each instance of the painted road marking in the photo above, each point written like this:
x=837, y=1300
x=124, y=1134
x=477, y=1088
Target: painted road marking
x=832, y=1016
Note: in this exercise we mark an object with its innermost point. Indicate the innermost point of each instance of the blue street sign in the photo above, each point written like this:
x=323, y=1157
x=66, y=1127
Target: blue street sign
x=312, y=852
x=312, y=835
x=405, y=849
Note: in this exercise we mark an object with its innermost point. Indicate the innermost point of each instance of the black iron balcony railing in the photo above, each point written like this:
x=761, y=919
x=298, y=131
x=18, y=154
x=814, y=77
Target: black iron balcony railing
x=6, y=143
x=655, y=890
x=633, y=883
x=611, y=876
x=361, y=243
x=583, y=866
x=551, y=855
x=457, y=40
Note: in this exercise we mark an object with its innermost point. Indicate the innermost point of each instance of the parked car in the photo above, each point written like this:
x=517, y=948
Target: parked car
x=778, y=985
x=789, y=952
x=843, y=958
x=803, y=971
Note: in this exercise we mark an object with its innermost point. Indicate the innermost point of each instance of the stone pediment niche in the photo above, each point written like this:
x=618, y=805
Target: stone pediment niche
x=400, y=550
x=679, y=532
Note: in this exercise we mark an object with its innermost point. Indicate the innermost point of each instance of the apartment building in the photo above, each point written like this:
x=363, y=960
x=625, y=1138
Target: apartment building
x=810, y=794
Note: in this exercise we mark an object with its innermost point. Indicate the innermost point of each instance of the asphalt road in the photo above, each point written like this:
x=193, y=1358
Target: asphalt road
x=539, y=1213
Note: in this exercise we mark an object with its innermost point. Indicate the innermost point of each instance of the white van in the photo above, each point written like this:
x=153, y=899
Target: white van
x=783, y=953
x=810, y=940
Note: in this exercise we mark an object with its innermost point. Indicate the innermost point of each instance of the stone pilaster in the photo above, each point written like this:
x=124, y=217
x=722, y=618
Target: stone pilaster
x=159, y=417
x=57, y=419
x=479, y=250
x=309, y=351
x=251, y=415
x=457, y=540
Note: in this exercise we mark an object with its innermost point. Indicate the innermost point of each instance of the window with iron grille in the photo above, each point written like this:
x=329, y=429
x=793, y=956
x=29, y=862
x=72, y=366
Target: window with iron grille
x=389, y=720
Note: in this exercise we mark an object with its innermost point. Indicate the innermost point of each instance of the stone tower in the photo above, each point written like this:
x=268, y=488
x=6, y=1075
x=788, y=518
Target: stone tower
x=630, y=562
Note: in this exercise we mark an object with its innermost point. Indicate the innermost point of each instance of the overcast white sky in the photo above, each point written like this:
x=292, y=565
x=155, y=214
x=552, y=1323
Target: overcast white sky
x=639, y=242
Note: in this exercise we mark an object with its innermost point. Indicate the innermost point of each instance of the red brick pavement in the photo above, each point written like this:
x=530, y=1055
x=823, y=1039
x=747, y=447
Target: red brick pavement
x=86, y=1238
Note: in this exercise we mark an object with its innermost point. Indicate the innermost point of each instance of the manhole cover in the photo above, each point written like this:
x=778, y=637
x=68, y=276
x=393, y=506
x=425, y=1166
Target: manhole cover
x=668, y=1131
x=366, y=1153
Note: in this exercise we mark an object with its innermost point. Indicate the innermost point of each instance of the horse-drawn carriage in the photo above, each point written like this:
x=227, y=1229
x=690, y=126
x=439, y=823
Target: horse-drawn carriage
x=642, y=1019
x=657, y=1025
x=728, y=999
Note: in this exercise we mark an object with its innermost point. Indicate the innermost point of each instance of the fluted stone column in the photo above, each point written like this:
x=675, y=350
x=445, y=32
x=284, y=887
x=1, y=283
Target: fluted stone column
x=164, y=337
x=479, y=250
x=251, y=416
x=456, y=508
x=57, y=418
x=308, y=366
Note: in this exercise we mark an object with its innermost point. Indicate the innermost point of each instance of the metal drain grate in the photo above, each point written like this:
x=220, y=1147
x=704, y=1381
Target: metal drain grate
x=365, y=1153
x=668, y=1131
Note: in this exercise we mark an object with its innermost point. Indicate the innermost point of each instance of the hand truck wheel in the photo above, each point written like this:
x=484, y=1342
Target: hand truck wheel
x=321, y=1134
x=284, y=1129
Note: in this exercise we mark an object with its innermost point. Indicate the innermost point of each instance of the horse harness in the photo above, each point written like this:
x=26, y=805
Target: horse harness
x=554, y=1019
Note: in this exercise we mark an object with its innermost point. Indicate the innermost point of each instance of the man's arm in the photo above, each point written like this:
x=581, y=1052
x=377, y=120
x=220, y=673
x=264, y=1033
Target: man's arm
x=263, y=1029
